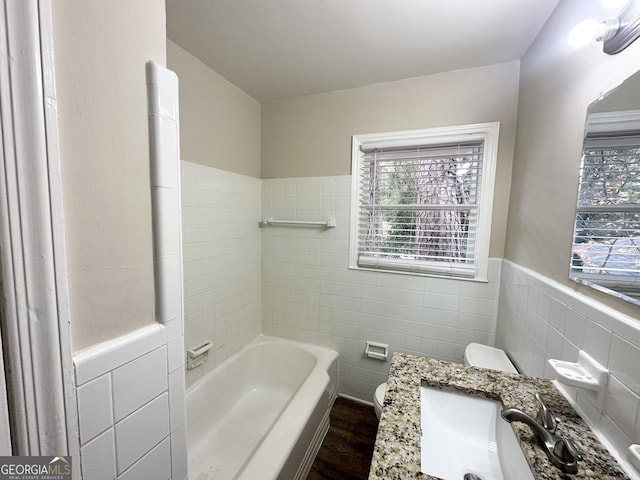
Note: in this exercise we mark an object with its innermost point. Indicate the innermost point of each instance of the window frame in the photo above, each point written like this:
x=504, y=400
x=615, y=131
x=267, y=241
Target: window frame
x=488, y=133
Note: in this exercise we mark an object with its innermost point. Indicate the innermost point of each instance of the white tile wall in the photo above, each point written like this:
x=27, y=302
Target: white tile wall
x=138, y=433
x=99, y=457
x=222, y=261
x=128, y=412
x=178, y=451
x=310, y=295
x=540, y=319
x=95, y=407
x=155, y=465
x=129, y=392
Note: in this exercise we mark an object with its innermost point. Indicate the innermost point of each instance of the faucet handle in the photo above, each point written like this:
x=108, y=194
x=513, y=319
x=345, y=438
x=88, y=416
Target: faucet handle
x=545, y=416
x=566, y=451
x=571, y=448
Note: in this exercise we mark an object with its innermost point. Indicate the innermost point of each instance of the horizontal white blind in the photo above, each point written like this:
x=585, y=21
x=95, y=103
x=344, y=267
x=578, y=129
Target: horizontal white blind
x=607, y=229
x=418, y=208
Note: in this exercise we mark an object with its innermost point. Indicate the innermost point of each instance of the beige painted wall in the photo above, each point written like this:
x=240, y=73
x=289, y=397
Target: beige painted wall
x=219, y=123
x=311, y=135
x=558, y=82
x=100, y=52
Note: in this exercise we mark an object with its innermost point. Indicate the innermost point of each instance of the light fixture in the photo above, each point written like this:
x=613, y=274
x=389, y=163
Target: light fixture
x=621, y=32
x=584, y=32
x=616, y=33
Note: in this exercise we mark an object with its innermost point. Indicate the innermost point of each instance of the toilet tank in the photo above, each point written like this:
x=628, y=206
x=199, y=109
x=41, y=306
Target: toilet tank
x=478, y=355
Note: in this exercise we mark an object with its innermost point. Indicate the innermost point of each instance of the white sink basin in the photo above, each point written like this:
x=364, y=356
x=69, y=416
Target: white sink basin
x=464, y=434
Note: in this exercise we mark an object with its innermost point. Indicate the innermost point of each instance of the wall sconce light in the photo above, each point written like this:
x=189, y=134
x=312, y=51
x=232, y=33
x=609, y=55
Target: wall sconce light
x=616, y=33
x=621, y=32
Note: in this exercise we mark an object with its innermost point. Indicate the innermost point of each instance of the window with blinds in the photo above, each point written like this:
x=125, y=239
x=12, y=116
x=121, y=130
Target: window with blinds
x=606, y=245
x=422, y=200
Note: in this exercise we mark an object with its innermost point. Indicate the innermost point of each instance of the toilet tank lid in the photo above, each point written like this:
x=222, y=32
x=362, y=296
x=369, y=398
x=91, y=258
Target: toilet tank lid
x=479, y=355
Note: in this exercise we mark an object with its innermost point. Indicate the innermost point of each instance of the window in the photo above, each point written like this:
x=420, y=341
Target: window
x=422, y=200
x=606, y=241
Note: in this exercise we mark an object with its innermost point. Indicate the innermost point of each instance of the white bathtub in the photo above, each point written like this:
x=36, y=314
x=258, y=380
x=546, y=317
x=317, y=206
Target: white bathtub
x=263, y=413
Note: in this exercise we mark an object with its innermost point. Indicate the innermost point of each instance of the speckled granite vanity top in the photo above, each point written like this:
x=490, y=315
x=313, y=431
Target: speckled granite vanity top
x=397, y=449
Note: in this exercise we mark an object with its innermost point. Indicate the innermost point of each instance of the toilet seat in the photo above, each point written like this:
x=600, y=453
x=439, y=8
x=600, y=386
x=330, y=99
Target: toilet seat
x=478, y=355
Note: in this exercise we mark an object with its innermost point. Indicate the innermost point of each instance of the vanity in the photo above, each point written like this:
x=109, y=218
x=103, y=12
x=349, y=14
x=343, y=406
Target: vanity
x=397, y=452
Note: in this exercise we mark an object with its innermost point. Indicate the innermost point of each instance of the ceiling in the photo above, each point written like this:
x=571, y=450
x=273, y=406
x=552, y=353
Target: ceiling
x=275, y=49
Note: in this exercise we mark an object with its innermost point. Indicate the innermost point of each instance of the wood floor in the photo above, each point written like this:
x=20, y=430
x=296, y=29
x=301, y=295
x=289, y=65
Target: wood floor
x=347, y=449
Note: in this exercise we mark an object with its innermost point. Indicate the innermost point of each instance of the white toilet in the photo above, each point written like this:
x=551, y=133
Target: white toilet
x=478, y=355
x=378, y=398
x=475, y=355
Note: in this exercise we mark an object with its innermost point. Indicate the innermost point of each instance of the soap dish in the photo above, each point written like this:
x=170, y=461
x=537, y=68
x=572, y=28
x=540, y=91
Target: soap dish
x=573, y=374
x=585, y=373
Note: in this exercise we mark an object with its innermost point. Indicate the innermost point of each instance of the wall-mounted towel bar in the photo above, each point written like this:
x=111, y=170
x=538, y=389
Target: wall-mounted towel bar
x=331, y=223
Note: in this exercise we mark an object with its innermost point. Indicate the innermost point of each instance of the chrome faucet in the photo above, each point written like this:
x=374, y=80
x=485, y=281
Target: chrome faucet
x=545, y=417
x=560, y=451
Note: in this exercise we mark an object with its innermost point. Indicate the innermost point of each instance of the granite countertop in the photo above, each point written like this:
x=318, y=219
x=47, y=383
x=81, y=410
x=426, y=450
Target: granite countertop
x=397, y=449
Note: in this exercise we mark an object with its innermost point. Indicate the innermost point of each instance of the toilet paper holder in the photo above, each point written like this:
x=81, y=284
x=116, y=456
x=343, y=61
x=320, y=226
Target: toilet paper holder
x=379, y=351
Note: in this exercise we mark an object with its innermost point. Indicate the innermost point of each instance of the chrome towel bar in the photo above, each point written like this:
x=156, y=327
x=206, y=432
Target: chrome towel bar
x=331, y=223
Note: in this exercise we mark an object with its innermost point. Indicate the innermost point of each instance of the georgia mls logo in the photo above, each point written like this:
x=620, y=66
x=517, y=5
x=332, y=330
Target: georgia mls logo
x=60, y=465
x=35, y=468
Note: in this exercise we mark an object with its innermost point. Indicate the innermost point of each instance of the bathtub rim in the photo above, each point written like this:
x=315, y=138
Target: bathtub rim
x=261, y=339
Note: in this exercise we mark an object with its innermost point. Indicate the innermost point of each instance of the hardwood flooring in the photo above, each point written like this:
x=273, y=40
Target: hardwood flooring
x=346, y=451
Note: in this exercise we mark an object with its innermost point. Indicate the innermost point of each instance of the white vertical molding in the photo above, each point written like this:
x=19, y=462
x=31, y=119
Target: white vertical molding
x=164, y=143
x=58, y=235
x=162, y=94
x=35, y=301
x=5, y=433
x=5, y=437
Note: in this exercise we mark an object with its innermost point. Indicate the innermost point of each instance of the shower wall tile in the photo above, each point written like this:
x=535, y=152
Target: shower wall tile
x=138, y=382
x=539, y=319
x=105, y=357
x=99, y=457
x=162, y=108
x=127, y=409
x=166, y=215
x=222, y=261
x=622, y=407
x=156, y=464
x=179, y=454
x=176, y=399
x=95, y=407
x=168, y=288
x=175, y=354
x=140, y=432
x=309, y=294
